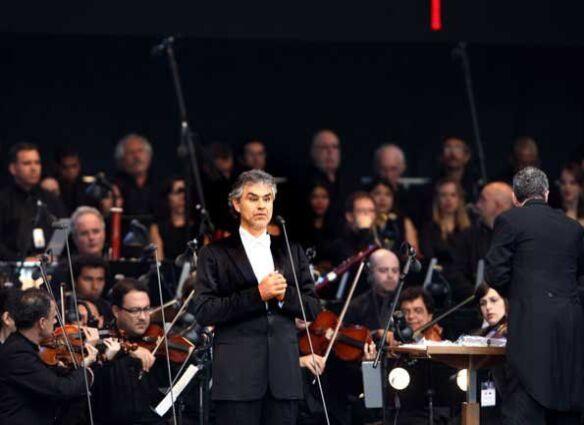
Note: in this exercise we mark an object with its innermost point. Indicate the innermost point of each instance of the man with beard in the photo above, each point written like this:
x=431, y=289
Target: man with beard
x=121, y=395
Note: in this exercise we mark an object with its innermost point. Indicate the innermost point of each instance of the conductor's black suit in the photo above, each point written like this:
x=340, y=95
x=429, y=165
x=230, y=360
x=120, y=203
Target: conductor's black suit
x=536, y=258
x=255, y=346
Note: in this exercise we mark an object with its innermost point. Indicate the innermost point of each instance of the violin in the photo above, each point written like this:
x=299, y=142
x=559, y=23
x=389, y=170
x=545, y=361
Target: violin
x=54, y=350
x=348, y=345
x=179, y=347
x=433, y=333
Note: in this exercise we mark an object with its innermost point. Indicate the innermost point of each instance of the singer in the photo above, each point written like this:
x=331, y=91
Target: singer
x=245, y=288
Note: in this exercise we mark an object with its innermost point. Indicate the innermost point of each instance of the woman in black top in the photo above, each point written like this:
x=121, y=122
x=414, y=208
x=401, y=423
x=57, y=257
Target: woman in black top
x=449, y=217
x=170, y=232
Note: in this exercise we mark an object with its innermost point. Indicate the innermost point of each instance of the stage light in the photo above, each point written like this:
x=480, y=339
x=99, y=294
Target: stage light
x=462, y=379
x=399, y=378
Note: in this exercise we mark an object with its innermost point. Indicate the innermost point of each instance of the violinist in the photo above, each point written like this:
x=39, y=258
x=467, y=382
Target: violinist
x=417, y=307
x=245, y=287
x=493, y=309
x=120, y=396
x=29, y=389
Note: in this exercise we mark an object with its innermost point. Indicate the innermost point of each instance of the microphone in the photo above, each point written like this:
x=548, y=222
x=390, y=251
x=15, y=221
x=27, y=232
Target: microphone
x=161, y=47
x=188, y=255
x=147, y=253
x=39, y=211
x=410, y=251
x=280, y=220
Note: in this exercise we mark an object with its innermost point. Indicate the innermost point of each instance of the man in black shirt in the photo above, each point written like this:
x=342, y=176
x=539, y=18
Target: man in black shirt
x=25, y=208
x=30, y=390
x=120, y=396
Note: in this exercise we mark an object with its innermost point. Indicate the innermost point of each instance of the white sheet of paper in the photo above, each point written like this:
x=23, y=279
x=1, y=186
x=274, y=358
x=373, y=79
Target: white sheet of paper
x=178, y=388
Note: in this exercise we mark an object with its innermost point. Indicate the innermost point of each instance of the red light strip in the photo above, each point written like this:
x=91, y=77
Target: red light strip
x=435, y=15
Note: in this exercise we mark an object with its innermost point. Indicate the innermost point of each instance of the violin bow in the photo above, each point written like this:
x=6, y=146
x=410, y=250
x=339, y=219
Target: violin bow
x=344, y=310
x=180, y=312
x=77, y=318
x=282, y=222
x=165, y=334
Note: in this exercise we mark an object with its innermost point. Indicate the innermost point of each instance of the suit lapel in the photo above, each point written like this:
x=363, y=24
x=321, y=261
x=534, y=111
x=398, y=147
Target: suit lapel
x=237, y=254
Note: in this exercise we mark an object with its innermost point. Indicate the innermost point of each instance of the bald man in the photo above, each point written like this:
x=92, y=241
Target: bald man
x=371, y=308
x=473, y=243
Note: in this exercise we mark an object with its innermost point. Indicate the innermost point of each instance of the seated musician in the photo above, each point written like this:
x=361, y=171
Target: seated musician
x=29, y=389
x=7, y=326
x=90, y=275
x=417, y=307
x=493, y=309
x=372, y=307
x=120, y=395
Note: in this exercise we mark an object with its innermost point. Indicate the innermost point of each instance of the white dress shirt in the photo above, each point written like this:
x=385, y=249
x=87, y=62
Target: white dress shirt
x=259, y=254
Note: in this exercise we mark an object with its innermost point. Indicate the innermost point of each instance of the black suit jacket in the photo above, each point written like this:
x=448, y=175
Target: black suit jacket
x=254, y=348
x=29, y=390
x=536, y=258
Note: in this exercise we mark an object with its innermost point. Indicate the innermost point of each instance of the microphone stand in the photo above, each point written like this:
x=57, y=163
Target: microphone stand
x=459, y=52
x=186, y=137
x=282, y=222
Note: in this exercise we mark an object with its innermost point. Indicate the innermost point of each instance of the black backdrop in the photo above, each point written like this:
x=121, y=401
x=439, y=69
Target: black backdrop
x=90, y=90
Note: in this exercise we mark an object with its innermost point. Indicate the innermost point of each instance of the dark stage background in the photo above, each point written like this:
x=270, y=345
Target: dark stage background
x=87, y=80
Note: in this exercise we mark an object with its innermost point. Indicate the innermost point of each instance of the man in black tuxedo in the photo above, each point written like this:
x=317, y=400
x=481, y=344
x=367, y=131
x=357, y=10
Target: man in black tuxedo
x=536, y=258
x=245, y=289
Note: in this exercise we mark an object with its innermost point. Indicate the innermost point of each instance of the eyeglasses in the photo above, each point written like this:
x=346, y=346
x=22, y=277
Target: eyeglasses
x=137, y=310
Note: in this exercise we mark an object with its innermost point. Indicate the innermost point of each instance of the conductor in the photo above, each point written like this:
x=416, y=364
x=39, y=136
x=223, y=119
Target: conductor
x=536, y=258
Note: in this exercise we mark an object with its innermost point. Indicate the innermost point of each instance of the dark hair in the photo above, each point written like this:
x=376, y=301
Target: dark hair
x=482, y=291
x=123, y=287
x=7, y=301
x=20, y=147
x=90, y=261
x=31, y=305
x=354, y=197
x=576, y=170
x=380, y=181
x=66, y=152
x=163, y=210
x=529, y=183
x=413, y=293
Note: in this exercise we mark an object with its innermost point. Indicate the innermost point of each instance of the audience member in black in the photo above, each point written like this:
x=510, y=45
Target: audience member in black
x=88, y=231
x=30, y=391
x=170, y=231
x=253, y=155
x=472, y=244
x=7, y=301
x=315, y=232
x=71, y=185
x=119, y=380
x=91, y=281
x=389, y=163
x=571, y=191
x=325, y=156
x=26, y=209
x=137, y=186
x=525, y=154
x=391, y=227
x=217, y=188
x=449, y=218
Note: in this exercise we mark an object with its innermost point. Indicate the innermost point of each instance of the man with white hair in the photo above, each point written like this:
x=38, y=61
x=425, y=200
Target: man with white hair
x=88, y=231
x=139, y=190
x=389, y=163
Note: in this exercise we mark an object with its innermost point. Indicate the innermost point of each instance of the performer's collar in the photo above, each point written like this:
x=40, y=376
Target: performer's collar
x=249, y=239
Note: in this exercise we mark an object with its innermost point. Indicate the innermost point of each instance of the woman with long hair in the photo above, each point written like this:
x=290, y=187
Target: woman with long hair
x=392, y=228
x=449, y=218
x=571, y=191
